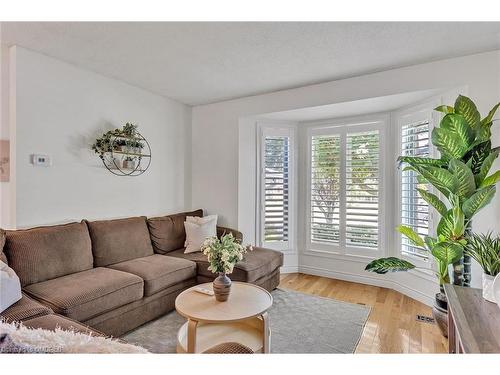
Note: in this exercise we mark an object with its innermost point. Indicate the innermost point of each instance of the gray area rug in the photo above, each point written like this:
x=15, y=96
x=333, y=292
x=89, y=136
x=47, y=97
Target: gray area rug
x=300, y=323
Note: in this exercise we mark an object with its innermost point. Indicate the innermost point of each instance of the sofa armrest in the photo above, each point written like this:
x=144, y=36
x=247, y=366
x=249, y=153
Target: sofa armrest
x=224, y=230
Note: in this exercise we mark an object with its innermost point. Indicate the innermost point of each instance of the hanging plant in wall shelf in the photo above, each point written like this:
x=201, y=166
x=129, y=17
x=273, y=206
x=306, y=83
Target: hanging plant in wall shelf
x=124, y=152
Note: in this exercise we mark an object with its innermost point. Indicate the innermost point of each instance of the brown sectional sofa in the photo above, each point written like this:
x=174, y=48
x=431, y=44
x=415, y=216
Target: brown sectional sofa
x=112, y=276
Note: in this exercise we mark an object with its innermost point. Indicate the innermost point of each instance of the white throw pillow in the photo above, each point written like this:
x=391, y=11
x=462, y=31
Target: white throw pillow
x=10, y=287
x=201, y=220
x=196, y=233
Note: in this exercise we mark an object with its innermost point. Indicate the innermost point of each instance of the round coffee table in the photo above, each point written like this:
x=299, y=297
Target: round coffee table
x=242, y=318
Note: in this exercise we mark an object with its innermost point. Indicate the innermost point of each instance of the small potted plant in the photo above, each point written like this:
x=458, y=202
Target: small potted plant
x=222, y=256
x=129, y=129
x=119, y=144
x=129, y=163
x=102, y=145
x=135, y=146
x=485, y=249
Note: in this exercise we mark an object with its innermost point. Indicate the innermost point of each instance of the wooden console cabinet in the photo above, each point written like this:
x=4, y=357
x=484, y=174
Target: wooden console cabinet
x=473, y=322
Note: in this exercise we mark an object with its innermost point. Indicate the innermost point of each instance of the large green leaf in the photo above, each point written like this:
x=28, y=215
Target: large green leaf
x=440, y=178
x=457, y=124
x=477, y=155
x=483, y=133
x=445, y=226
x=489, y=118
x=485, y=168
x=411, y=235
x=413, y=161
x=391, y=264
x=449, y=143
x=430, y=242
x=467, y=184
x=452, y=224
x=434, y=201
x=478, y=200
x=491, y=179
x=447, y=253
x=458, y=222
x=466, y=107
x=445, y=109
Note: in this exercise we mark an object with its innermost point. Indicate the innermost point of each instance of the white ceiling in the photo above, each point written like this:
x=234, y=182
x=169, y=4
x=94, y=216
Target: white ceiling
x=198, y=63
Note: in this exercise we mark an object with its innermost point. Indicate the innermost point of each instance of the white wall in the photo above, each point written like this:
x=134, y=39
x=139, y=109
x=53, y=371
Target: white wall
x=6, y=208
x=216, y=129
x=60, y=109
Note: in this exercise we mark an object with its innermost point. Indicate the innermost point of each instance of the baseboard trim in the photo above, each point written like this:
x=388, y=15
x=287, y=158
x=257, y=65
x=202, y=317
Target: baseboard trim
x=391, y=284
x=289, y=269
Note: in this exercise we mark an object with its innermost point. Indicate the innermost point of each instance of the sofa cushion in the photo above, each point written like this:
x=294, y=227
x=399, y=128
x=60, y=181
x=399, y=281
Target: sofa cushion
x=167, y=232
x=255, y=264
x=158, y=271
x=25, y=308
x=115, y=241
x=86, y=294
x=44, y=253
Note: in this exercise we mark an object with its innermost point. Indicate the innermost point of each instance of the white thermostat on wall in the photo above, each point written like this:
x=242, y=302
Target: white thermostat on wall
x=39, y=160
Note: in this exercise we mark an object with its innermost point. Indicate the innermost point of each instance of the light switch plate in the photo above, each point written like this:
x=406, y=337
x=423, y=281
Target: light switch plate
x=39, y=160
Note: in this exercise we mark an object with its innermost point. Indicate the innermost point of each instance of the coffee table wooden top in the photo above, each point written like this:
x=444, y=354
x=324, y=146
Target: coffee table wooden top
x=245, y=301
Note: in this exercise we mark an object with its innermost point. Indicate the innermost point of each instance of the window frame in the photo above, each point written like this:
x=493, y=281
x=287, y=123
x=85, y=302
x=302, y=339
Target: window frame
x=342, y=127
x=276, y=130
x=415, y=114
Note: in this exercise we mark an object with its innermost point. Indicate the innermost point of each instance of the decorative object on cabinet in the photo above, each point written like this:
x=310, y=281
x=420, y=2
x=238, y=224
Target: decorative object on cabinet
x=124, y=152
x=485, y=249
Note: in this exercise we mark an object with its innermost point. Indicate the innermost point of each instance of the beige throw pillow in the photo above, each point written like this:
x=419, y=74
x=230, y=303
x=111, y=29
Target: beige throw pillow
x=198, y=229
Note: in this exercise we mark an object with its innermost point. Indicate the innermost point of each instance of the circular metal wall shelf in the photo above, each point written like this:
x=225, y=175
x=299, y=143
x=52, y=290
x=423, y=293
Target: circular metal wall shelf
x=125, y=159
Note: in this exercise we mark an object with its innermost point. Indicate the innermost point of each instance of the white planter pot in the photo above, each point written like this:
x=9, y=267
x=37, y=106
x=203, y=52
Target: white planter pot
x=129, y=164
x=496, y=289
x=488, y=288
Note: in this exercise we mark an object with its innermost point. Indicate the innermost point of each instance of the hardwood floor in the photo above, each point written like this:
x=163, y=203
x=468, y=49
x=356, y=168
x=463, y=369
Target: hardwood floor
x=391, y=327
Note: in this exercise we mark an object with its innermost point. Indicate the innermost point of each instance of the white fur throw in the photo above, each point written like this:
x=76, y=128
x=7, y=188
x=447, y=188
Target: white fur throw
x=61, y=341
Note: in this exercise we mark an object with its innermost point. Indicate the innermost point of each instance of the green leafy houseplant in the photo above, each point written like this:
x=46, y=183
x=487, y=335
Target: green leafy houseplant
x=462, y=176
x=485, y=249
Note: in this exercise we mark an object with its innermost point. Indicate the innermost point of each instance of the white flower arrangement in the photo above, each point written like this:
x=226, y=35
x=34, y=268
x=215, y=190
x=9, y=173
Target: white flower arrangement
x=223, y=253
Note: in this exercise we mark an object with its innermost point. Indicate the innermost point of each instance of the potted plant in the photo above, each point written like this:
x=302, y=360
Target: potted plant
x=119, y=144
x=462, y=177
x=485, y=249
x=129, y=130
x=129, y=163
x=222, y=256
x=102, y=144
x=135, y=146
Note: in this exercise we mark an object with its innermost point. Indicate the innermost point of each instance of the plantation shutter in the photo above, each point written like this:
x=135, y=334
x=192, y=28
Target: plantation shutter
x=276, y=183
x=325, y=189
x=362, y=189
x=414, y=210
